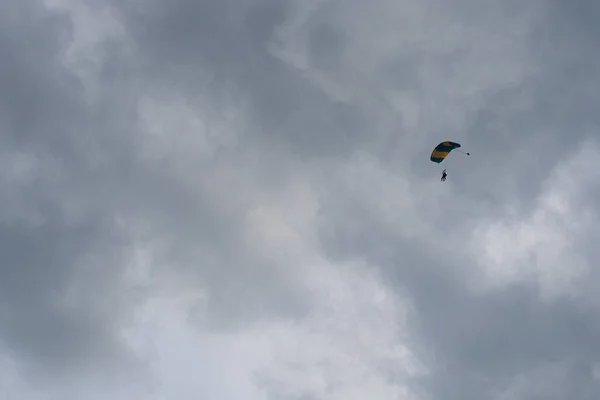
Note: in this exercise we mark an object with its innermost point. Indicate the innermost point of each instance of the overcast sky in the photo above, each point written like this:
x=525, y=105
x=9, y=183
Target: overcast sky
x=233, y=200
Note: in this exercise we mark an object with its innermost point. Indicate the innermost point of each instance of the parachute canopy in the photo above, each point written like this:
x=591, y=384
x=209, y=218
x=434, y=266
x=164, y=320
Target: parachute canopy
x=442, y=150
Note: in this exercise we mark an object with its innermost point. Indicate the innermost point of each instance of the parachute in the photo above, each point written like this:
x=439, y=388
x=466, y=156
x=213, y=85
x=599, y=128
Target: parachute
x=442, y=150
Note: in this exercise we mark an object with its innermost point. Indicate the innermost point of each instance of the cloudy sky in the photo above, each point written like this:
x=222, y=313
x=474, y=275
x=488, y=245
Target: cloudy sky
x=233, y=200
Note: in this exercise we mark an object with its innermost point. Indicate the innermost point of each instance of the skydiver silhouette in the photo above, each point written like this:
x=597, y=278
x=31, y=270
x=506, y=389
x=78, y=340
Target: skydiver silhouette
x=444, y=174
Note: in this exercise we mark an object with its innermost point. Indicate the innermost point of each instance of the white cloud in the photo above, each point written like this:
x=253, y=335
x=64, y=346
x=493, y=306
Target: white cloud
x=354, y=341
x=353, y=344
x=543, y=247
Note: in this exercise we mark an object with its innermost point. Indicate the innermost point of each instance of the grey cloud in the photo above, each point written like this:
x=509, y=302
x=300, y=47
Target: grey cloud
x=89, y=171
x=205, y=48
x=482, y=343
x=46, y=247
x=478, y=344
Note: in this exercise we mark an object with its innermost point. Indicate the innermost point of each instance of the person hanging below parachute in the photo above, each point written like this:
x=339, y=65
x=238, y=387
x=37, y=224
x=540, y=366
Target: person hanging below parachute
x=441, y=151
